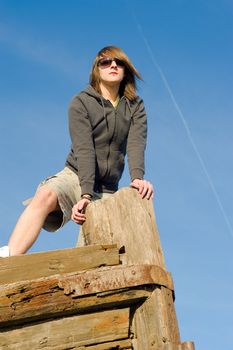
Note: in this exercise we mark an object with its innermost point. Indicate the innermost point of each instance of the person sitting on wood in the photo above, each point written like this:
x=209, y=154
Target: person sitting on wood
x=106, y=121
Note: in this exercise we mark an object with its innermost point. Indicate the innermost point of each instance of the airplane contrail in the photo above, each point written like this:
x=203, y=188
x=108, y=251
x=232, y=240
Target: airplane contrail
x=187, y=129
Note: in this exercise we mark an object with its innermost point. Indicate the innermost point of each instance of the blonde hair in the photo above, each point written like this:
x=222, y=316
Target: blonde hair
x=128, y=85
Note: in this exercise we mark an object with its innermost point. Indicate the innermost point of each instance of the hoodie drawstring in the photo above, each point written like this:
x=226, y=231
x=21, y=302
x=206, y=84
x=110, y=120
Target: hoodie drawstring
x=130, y=112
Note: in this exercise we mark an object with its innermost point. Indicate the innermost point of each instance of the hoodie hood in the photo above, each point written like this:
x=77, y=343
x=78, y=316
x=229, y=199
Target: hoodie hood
x=93, y=93
x=90, y=91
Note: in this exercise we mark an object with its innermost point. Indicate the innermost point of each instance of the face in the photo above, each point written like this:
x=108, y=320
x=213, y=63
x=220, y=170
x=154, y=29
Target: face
x=111, y=70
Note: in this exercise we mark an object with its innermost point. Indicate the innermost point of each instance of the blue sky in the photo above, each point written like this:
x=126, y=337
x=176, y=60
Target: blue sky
x=183, y=49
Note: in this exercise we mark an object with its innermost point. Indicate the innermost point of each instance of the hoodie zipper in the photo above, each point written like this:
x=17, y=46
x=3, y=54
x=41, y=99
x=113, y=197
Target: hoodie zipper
x=110, y=141
x=114, y=129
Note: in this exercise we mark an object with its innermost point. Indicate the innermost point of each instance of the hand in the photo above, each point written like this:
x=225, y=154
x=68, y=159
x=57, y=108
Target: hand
x=144, y=188
x=78, y=210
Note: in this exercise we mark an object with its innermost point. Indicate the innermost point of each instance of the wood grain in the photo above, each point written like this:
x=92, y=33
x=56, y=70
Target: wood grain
x=36, y=265
x=43, y=298
x=115, y=277
x=127, y=220
x=154, y=324
x=187, y=346
x=69, y=332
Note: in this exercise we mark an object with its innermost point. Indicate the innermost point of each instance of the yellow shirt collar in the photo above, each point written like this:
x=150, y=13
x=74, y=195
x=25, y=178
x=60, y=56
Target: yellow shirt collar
x=115, y=103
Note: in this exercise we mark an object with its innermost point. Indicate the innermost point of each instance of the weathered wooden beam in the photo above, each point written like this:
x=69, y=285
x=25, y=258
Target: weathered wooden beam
x=56, y=295
x=57, y=305
x=127, y=220
x=36, y=265
x=154, y=322
x=115, y=277
x=68, y=333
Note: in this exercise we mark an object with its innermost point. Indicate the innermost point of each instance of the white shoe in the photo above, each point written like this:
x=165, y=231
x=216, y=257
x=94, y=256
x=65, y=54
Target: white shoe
x=4, y=252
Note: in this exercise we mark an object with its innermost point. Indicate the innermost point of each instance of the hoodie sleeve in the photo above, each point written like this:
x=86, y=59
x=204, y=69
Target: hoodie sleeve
x=82, y=145
x=136, y=142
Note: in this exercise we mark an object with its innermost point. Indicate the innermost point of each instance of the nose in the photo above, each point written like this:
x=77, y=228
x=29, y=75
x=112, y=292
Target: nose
x=113, y=64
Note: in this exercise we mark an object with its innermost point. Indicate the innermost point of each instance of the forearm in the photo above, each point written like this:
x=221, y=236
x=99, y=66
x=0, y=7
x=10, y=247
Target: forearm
x=136, y=143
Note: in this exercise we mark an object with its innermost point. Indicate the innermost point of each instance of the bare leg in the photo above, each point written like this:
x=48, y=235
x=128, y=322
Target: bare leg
x=31, y=221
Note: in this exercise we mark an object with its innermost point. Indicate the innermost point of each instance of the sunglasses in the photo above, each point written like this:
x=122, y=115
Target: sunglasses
x=106, y=62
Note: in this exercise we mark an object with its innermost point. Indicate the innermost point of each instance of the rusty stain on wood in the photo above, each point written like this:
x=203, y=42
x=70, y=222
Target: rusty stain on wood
x=38, y=300
x=114, y=278
x=44, y=294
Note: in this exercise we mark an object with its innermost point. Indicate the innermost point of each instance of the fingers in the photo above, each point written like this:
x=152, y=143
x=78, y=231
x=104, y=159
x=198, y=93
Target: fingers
x=147, y=189
x=144, y=188
x=150, y=192
x=78, y=215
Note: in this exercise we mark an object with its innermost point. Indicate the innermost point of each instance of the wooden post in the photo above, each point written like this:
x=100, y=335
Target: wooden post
x=129, y=221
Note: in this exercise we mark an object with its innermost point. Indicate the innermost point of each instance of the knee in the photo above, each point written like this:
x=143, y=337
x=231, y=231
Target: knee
x=45, y=198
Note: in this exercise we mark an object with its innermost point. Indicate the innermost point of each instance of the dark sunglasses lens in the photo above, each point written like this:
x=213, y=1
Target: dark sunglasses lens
x=105, y=62
x=119, y=62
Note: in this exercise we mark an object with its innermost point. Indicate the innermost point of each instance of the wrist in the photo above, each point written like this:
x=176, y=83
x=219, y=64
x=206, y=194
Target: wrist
x=86, y=196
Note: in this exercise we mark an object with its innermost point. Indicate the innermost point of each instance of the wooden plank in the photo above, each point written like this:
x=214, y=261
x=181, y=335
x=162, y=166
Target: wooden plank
x=57, y=304
x=170, y=315
x=69, y=332
x=127, y=220
x=154, y=325
x=113, y=278
x=45, y=297
x=36, y=265
x=42, y=301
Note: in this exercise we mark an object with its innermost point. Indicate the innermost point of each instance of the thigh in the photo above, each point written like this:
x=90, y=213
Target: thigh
x=65, y=184
x=67, y=188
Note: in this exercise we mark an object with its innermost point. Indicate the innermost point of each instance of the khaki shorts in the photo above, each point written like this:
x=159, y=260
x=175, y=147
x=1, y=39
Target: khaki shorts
x=67, y=187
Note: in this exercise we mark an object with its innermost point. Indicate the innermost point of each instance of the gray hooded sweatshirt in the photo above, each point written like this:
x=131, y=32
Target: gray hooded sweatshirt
x=101, y=136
